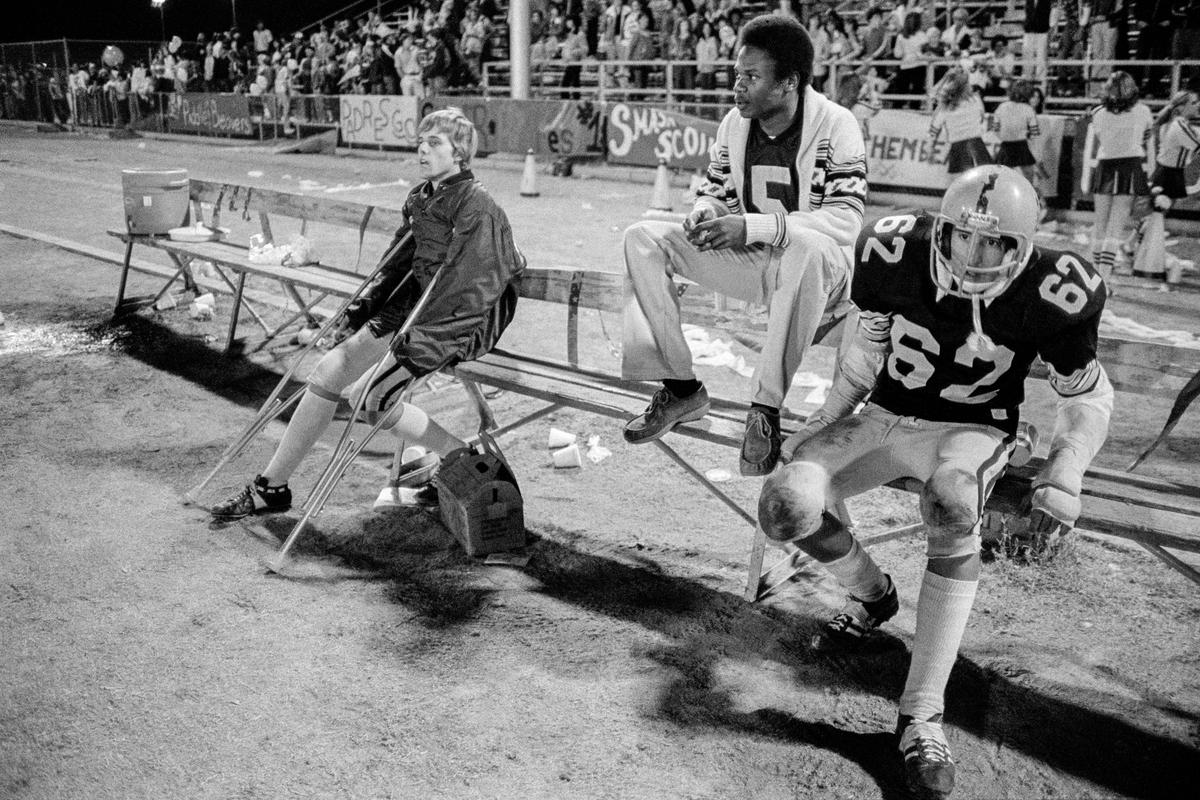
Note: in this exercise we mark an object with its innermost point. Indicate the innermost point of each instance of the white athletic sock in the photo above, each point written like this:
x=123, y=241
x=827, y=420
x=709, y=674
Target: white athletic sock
x=311, y=418
x=942, y=611
x=858, y=573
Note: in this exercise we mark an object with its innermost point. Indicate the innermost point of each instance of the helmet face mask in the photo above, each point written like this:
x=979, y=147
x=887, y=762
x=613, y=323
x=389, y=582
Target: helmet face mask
x=982, y=237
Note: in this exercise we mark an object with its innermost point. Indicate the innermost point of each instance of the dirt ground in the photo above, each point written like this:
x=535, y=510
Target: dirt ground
x=145, y=653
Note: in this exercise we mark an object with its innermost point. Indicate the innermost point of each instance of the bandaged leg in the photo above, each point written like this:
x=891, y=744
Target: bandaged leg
x=310, y=420
x=336, y=370
x=414, y=426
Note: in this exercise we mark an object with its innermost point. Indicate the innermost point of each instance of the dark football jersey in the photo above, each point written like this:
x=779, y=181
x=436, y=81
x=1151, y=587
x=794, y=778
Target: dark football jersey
x=1051, y=310
x=772, y=184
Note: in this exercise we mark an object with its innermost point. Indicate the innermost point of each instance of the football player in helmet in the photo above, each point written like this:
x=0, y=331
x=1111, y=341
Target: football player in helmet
x=953, y=309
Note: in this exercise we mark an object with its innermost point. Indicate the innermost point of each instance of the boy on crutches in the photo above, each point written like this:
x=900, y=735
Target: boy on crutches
x=456, y=276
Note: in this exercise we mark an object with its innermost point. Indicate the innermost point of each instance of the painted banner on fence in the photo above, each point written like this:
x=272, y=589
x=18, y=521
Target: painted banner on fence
x=224, y=114
x=548, y=127
x=379, y=119
x=900, y=153
x=644, y=135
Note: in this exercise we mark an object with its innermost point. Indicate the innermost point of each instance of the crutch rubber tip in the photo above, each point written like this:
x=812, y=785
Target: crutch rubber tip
x=273, y=564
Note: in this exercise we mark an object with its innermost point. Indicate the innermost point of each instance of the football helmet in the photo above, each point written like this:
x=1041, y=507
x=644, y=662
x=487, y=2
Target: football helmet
x=982, y=205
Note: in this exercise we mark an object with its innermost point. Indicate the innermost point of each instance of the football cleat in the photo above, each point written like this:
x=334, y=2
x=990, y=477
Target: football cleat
x=857, y=619
x=256, y=498
x=988, y=206
x=928, y=767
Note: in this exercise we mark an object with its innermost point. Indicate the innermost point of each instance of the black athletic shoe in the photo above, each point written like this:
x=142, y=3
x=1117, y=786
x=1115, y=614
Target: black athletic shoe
x=858, y=618
x=928, y=767
x=256, y=498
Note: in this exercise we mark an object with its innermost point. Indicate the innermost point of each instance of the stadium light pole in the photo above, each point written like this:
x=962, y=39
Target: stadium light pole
x=234, y=4
x=162, y=20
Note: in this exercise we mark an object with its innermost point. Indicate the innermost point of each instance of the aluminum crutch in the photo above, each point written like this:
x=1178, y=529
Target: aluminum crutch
x=272, y=407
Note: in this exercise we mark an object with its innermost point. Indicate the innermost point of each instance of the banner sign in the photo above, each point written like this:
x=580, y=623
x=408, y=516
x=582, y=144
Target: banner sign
x=379, y=120
x=548, y=127
x=198, y=112
x=900, y=153
x=644, y=135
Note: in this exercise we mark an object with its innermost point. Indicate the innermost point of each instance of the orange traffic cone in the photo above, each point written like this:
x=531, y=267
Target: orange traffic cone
x=661, y=200
x=529, y=179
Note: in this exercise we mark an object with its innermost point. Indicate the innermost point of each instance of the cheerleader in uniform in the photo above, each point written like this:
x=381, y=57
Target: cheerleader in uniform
x=1015, y=123
x=960, y=112
x=1122, y=125
x=1178, y=142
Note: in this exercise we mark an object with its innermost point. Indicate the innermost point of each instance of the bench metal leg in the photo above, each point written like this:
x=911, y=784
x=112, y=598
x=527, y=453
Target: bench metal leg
x=761, y=583
x=705, y=482
x=182, y=268
x=243, y=303
x=234, y=312
x=1172, y=561
x=124, y=277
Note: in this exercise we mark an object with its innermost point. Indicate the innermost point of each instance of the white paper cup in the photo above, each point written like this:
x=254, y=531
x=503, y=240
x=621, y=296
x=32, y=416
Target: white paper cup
x=559, y=438
x=567, y=457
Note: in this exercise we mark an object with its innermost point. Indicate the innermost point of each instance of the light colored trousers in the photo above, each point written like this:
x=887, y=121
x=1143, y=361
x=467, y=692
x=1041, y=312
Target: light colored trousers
x=1102, y=42
x=799, y=284
x=1034, y=50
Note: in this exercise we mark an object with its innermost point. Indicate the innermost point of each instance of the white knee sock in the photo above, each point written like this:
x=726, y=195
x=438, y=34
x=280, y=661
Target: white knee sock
x=858, y=573
x=311, y=418
x=942, y=611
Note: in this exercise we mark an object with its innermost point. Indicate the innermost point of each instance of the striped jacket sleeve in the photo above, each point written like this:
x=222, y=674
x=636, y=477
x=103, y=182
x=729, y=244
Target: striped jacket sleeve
x=838, y=188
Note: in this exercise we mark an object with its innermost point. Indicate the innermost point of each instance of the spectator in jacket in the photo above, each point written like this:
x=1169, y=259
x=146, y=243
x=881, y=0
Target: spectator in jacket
x=457, y=233
x=574, y=50
x=436, y=63
x=785, y=246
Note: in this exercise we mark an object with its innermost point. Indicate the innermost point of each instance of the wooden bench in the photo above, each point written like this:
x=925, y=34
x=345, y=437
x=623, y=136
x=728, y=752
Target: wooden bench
x=1159, y=515
x=307, y=286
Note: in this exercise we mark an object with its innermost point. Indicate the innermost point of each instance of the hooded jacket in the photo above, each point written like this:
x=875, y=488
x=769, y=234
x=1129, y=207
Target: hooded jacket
x=459, y=229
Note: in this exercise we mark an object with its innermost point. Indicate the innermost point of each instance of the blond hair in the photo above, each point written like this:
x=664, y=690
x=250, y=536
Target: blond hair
x=953, y=89
x=464, y=139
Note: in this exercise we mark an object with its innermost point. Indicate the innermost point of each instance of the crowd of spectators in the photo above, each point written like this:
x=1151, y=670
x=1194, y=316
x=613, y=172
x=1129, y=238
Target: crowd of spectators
x=875, y=46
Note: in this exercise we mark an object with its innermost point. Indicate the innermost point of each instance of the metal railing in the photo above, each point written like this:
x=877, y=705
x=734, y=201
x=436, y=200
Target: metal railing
x=676, y=85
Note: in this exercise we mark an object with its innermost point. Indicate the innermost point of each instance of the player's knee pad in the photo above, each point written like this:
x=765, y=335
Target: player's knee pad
x=950, y=509
x=829, y=542
x=792, y=502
